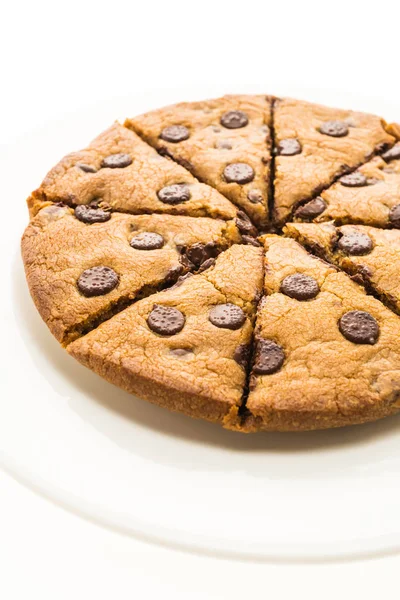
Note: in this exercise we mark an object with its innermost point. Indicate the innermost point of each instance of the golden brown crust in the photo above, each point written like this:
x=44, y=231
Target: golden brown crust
x=203, y=380
x=326, y=380
x=204, y=367
x=323, y=157
x=369, y=204
x=129, y=189
x=205, y=152
x=57, y=248
x=378, y=268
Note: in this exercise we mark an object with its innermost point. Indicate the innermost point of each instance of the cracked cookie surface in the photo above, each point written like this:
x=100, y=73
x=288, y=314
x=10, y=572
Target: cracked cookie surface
x=329, y=143
x=369, y=254
x=324, y=362
x=369, y=196
x=124, y=173
x=225, y=142
x=185, y=348
x=60, y=252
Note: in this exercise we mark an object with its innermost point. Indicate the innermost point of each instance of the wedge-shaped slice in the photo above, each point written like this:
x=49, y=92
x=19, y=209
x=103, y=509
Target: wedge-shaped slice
x=315, y=145
x=326, y=354
x=224, y=142
x=370, y=196
x=370, y=255
x=185, y=348
x=85, y=265
x=122, y=171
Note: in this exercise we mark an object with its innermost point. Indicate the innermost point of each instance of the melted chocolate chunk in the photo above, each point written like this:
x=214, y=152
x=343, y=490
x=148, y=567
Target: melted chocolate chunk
x=97, y=281
x=289, y=147
x=359, y=327
x=227, y=316
x=250, y=241
x=355, y=243
x=147, y=240
x=311, y=210
x=165, y=320
x=394, y=216
x=269, y=357
x=86, y=168
x=334, y=128
x=255, y=196
x=392, y=154
x=244, y=224
x=91, y=214
x=300, y=287
x=199, y=253
x=238, y=173
x=234, y=119
x=355, y=179
x=174, y=194
x=242, y=355
x=116, y=161
x=175, y=134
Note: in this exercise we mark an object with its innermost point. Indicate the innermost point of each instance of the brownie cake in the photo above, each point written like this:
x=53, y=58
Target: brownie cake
x=235, y=259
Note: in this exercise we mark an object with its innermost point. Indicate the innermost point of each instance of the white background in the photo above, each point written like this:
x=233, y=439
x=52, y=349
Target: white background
x=58, y=57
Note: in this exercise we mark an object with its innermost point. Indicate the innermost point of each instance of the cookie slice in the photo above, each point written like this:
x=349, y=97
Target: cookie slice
x=314, y=145
x=185, y=348
x=82, y=266
x=122, y=172
x=368, y=254
x=224, y=142
x=326, y=353
x=369, y=196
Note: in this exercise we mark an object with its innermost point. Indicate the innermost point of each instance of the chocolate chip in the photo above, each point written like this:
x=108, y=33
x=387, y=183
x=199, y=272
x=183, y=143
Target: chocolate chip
x=117, y=161
x=269, y=357
x=244, y=224
x=334, y=128
x=147, y=241
x=91, y=214
x=359, y=327
x=199, y=253
x=247, y=239
x=394, y=216
x=392, y=154
x=181, y=352
x=206, y=264
x=173, y=275
x=355, y=179
x=242, y=355
x=234, y=119
x=255, y=196
x=355, y=243
x=223, y=145
x=289, y=147
x=175, y=133
x=227, y=316
x=238, y=173
x=97, y=281
x=86, y=168
x=311, y=210
x=165, y=320
x=174, y=194
x=300, y=287
x=180, y=280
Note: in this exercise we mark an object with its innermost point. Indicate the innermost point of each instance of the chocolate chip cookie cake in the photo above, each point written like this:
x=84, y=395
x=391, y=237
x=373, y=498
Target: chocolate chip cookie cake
x=235, y=259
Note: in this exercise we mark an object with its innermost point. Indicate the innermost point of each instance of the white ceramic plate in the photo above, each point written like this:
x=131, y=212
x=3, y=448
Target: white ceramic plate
x=130, y=465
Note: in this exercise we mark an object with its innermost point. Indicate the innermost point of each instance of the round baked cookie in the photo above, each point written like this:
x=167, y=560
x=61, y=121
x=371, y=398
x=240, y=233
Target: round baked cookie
x=234, y=259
